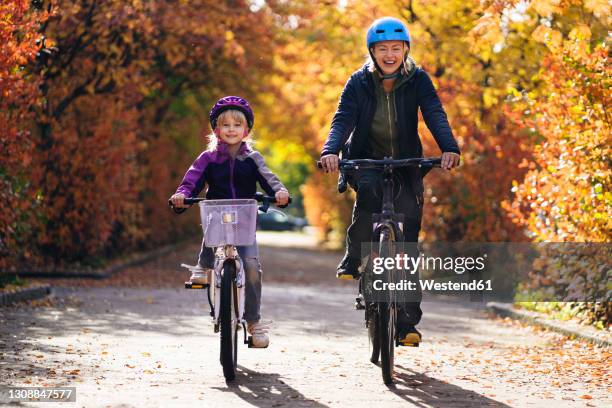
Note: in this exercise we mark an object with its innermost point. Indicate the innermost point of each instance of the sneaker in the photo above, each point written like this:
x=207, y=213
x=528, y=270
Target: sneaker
x=410, y=337
x=348, y=269
x=259, y=334
x=199, y=275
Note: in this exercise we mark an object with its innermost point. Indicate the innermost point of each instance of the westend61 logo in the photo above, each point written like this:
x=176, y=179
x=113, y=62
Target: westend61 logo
x=459, y=265
x=406, y=264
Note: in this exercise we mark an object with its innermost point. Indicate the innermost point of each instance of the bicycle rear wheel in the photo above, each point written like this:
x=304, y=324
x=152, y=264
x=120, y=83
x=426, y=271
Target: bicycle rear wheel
x=228, y=316
x=386, y=315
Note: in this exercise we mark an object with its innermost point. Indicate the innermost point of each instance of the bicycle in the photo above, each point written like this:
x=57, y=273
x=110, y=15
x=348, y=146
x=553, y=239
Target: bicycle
x=381, y=316
x=226, y=225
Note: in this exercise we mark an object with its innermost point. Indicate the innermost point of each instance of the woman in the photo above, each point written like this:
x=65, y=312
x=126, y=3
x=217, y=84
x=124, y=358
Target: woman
x=377, y=117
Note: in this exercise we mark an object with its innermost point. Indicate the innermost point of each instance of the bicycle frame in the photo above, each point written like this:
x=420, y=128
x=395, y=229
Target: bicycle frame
x=387, y=229
x=227, y=253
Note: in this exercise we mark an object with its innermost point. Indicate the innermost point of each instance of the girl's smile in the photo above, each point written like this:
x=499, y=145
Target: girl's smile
x=232, y=132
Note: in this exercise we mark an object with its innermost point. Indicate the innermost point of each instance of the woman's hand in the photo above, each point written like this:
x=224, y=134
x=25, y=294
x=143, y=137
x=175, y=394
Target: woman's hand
x=330, y=163
x=282, y=197
x=450, y=160
x=177, y=200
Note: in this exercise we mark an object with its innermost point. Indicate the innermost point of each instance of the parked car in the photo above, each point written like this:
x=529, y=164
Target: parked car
x=276, y=221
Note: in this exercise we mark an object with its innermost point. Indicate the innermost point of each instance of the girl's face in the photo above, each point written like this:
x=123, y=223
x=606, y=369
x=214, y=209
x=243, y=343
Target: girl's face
x=389, y=55
x=232, y=131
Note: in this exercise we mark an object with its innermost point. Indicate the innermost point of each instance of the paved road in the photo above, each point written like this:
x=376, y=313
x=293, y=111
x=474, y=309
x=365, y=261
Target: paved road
x=155, y=347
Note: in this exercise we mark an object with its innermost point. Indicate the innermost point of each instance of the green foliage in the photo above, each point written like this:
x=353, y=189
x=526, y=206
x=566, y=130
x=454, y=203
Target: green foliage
x=594, y=314
x=10, y=280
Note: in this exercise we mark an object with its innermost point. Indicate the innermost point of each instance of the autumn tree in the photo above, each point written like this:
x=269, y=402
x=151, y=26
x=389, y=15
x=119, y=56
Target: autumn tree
x=565, y=196
x=19, y=90
x=124, y=90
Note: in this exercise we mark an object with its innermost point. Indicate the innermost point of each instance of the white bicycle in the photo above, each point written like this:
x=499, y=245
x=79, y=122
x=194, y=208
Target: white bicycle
x=228, y=224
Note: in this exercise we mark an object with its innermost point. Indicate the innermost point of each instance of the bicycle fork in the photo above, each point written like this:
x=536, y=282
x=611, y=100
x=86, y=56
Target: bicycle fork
x=226, y=254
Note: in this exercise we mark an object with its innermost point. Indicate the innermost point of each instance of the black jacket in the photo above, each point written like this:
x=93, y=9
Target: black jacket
x=353, y=118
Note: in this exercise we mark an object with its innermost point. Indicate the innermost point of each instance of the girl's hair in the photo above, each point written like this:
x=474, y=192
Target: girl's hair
x=230, y=114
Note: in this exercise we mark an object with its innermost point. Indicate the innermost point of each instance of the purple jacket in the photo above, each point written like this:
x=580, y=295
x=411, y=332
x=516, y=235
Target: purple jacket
x=227, y=177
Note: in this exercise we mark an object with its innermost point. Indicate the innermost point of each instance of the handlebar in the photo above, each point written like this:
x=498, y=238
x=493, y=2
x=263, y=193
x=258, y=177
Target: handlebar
x=387, y=164
x=260, y=197
x=421, y=162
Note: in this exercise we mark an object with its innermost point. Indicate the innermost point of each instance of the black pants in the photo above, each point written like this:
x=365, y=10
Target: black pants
x=368, y=185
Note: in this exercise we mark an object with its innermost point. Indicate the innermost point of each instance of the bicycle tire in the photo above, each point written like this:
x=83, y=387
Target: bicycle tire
x=386, y=317
x=228, y=323
x=370, y=315
x=373, y=336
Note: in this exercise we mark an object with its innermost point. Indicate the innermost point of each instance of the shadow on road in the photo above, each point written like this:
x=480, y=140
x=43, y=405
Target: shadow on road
x=424, y=391
x=266, y=390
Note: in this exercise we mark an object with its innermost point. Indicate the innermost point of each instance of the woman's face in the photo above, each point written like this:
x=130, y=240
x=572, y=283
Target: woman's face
x=389, y=55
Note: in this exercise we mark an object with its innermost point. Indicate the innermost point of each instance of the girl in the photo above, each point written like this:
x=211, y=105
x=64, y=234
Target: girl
x=378, y=109
x=231, y=169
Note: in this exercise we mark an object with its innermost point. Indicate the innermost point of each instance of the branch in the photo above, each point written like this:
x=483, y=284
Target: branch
x=76, y=92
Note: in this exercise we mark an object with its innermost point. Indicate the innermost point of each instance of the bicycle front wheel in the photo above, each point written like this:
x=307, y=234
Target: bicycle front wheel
x=373, y=330
x=386, y=315
x=228, y=315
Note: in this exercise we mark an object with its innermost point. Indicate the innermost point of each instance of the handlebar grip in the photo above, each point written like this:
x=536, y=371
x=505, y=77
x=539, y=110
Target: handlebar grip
x=176, y=210
x=193, y=200
x=267, y=200
x=187, y=200
x=319, y=164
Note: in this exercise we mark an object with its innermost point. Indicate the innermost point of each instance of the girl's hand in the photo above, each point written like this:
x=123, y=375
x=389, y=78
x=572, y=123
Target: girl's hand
x=177, y=200
x=282, y=197
x=450, y=160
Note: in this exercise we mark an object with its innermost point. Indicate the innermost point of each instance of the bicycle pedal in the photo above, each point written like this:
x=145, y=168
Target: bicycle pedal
x=250, y=343
x=189, y=285
x=358, y=304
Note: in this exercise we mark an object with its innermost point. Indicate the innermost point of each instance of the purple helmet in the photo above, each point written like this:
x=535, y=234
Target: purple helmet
x=231, y=102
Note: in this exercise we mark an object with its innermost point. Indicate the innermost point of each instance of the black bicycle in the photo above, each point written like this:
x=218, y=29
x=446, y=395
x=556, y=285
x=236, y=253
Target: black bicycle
x=381, y=313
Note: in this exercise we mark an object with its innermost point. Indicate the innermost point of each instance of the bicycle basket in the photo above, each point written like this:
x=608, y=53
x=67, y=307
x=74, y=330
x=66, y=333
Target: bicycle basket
x=228, y=222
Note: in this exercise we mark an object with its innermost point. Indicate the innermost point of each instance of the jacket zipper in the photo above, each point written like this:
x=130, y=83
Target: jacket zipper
x=390, y=125
x=232, y=163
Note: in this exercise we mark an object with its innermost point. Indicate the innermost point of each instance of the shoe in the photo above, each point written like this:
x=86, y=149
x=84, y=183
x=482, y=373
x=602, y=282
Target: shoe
x=199, y=275
x=410, y=337
x=348, y=269
x=259, y=334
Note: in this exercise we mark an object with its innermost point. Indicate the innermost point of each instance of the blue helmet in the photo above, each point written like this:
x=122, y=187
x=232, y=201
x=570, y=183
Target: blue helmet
x=387, y=29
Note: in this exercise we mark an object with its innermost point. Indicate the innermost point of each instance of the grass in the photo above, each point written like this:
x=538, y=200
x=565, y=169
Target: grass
x=11, y=281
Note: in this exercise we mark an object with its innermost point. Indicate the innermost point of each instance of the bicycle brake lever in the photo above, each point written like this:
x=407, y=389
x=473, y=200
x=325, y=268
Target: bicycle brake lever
x=342, y=183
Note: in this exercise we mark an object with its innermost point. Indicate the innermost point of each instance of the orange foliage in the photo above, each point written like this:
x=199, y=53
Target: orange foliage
x=566, y=196
x=114, y=80
x=18, y=91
